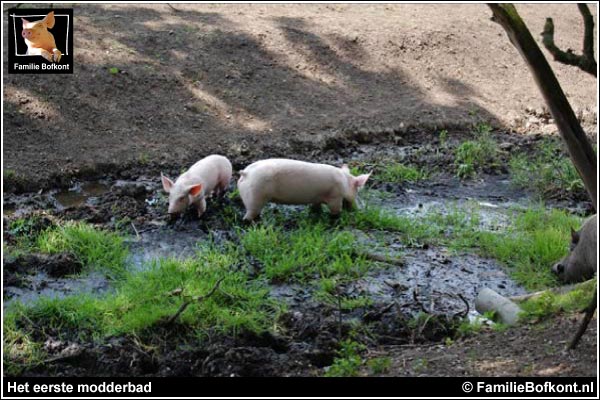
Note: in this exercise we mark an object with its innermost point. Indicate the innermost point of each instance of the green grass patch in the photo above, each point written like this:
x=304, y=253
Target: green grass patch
x=19, y=351
x=379, y=365
x=8, y=173
x=549, y=171
x=399, y=173
x=536, y=239
x=143, y=299
x=348, y=360
x=531, y=242
x=26, y=230
x=309, y=251
x=95, y=248
x=327, y=294
x=549, y=303
x=471, y=156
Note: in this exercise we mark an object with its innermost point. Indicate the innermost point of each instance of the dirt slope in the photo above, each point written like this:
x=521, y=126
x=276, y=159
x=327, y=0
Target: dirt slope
x=256, y=80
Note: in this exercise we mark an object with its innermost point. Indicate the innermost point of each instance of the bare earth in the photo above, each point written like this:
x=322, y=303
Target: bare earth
x=260, y=80
x=250, y=81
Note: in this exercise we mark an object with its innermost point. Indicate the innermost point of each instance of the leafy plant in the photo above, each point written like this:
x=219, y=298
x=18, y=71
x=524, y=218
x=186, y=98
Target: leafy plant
x=348, y=360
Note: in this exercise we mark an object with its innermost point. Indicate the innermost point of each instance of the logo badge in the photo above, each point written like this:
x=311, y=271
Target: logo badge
x=40, y=41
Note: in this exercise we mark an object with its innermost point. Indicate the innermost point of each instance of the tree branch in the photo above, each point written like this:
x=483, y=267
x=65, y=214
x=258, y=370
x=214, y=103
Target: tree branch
x=580, y=149
x=586, y=61
x=588, y=36
x=589, y=312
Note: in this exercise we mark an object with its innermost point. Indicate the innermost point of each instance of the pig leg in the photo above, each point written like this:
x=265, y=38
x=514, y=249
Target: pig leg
x=40, y=52
x=316, y=208
x=348, y=205
x=253, y=207
x=253, y=211
x=335, y=206
x=223, y=187
x=201, y=206
x=56, y=55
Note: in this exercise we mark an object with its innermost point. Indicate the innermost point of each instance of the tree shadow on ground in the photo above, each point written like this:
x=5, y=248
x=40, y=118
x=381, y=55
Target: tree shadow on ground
x=191, y=83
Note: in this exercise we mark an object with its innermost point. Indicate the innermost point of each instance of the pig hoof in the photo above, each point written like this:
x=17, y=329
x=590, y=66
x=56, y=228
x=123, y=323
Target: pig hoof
x=56, y=55
x=47, y=55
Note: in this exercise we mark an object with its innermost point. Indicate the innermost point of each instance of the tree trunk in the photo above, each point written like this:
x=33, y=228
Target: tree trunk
x=580, y=149
x=579, y=146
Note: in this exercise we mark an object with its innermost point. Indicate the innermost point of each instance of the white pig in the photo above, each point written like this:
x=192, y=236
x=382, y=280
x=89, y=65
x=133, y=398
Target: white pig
x=211, y=174
x=286, y=181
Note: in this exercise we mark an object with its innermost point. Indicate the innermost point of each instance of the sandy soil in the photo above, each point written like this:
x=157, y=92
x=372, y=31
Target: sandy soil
x=263, y=80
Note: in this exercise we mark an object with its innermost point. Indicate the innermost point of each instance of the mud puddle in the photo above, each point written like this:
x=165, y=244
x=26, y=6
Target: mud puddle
x=152, y=237
x=80, y=194
x=431, y=280
x=154, y=245
x=32, y=287
x=27, y=278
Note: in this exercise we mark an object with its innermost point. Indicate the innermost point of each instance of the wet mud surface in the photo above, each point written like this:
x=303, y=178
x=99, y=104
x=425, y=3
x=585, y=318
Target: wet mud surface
x=431, y=280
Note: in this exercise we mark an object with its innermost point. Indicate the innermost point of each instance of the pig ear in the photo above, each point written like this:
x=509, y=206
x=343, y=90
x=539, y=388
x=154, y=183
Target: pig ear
x=166, y=182
x=361, y=180
x=49, y=20
x=574, y=236
x=195, y=190
x=24, y=21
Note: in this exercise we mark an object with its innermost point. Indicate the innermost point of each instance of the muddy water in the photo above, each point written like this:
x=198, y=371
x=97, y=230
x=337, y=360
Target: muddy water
x=164, y=243
x=33, y=286
x=437, y=279
x=80, y=193
x=434, y=275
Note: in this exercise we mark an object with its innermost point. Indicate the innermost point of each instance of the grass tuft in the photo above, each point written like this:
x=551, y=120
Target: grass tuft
x=307, y=252
x=96, y=249
x=471, y=156
x=550, y=303
x=348, y=360
x=549, y=172
x=399, y=173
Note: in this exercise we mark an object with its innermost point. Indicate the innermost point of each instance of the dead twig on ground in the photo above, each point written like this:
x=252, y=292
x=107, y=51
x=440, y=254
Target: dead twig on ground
x=194, y=299
x=555, y=290
x=418, y=302
x=381, y=258
x=463, y=314
x=172, y=8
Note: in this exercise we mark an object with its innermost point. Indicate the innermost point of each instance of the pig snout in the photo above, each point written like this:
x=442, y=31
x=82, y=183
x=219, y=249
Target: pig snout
x=26, y=34
x=558, y=269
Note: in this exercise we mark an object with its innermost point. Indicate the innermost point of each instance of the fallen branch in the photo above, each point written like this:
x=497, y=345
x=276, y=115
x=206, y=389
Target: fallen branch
x=192, y=300
x=463, y=314
x=589, y=313
x=137, y=234
x=381, y=258
x=172, y=8
x=418, y=302
x=556, y=290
